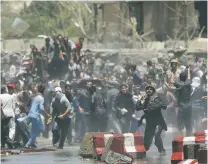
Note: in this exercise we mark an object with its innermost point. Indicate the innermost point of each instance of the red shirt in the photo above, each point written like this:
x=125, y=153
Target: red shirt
x=78, y=45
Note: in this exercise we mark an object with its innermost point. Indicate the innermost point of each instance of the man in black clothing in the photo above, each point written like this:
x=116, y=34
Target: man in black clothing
x=99, y=116
x=155, y=123
x=61, y=117
x=124, y=108
x=183, y=94
x=47, y=50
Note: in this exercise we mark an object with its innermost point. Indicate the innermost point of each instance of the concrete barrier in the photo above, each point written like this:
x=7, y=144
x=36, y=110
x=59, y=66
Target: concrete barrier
x=87, y=147
x=115, y=152
x=133, y=144
x=178, y=146
x=196, y=151
x=189, y=161
x=201, y=133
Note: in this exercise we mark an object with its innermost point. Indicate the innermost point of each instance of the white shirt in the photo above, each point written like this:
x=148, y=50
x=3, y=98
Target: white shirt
x=8, y=104
x=71, y=43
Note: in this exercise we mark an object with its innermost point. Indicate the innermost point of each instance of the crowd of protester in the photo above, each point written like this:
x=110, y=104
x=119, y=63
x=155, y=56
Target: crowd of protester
x=65, y=90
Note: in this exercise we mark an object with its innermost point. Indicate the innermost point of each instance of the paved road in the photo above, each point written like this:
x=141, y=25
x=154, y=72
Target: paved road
x=70, y=155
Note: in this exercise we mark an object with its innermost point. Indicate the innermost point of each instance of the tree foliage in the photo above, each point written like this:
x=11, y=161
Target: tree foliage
x=68, y=18
x=44, y=17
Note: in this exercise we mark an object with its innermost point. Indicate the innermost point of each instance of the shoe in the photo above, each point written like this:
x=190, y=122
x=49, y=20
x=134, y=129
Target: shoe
x=9, y=143
x=60, y=148
x=34, y=146
x=16, y=145
x=30, y=146
x=162, y=153
x=27, y=147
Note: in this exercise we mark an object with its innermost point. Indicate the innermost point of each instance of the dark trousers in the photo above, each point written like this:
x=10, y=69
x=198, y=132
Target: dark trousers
x=82, y=125
x=184, y=119
x=60, y=130
x=77, y=126
x=69, y=134
x=153, y=130
x=5, y=133
x=98, y=124
x=22, y=131
x=125, y=124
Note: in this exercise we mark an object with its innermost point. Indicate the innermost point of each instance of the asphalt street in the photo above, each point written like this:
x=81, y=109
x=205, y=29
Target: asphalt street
x=70, y=154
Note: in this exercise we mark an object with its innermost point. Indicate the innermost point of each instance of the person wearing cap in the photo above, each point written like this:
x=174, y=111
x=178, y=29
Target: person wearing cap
x=61, y=116
x=151, y=104
x=173, y=74
x=124, y=108
x=11, y=89
x=36, y=109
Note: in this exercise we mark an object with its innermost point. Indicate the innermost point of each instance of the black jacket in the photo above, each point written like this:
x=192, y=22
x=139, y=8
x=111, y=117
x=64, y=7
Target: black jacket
x=123, y=101
x=152, y=108
x=183, y=94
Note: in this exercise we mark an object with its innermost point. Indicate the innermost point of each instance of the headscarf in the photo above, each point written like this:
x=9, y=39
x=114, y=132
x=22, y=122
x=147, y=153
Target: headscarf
x=58, y=93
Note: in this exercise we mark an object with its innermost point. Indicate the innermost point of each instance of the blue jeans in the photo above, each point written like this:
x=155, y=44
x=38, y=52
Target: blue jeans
x=35, y=130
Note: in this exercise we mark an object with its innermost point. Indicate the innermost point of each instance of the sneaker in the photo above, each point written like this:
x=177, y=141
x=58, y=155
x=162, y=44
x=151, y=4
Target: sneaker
x=34, y=146
x=27, y=147
x=30, y=146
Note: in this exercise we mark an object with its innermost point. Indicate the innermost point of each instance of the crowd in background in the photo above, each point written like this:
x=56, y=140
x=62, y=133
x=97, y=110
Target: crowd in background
x=78, y=93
